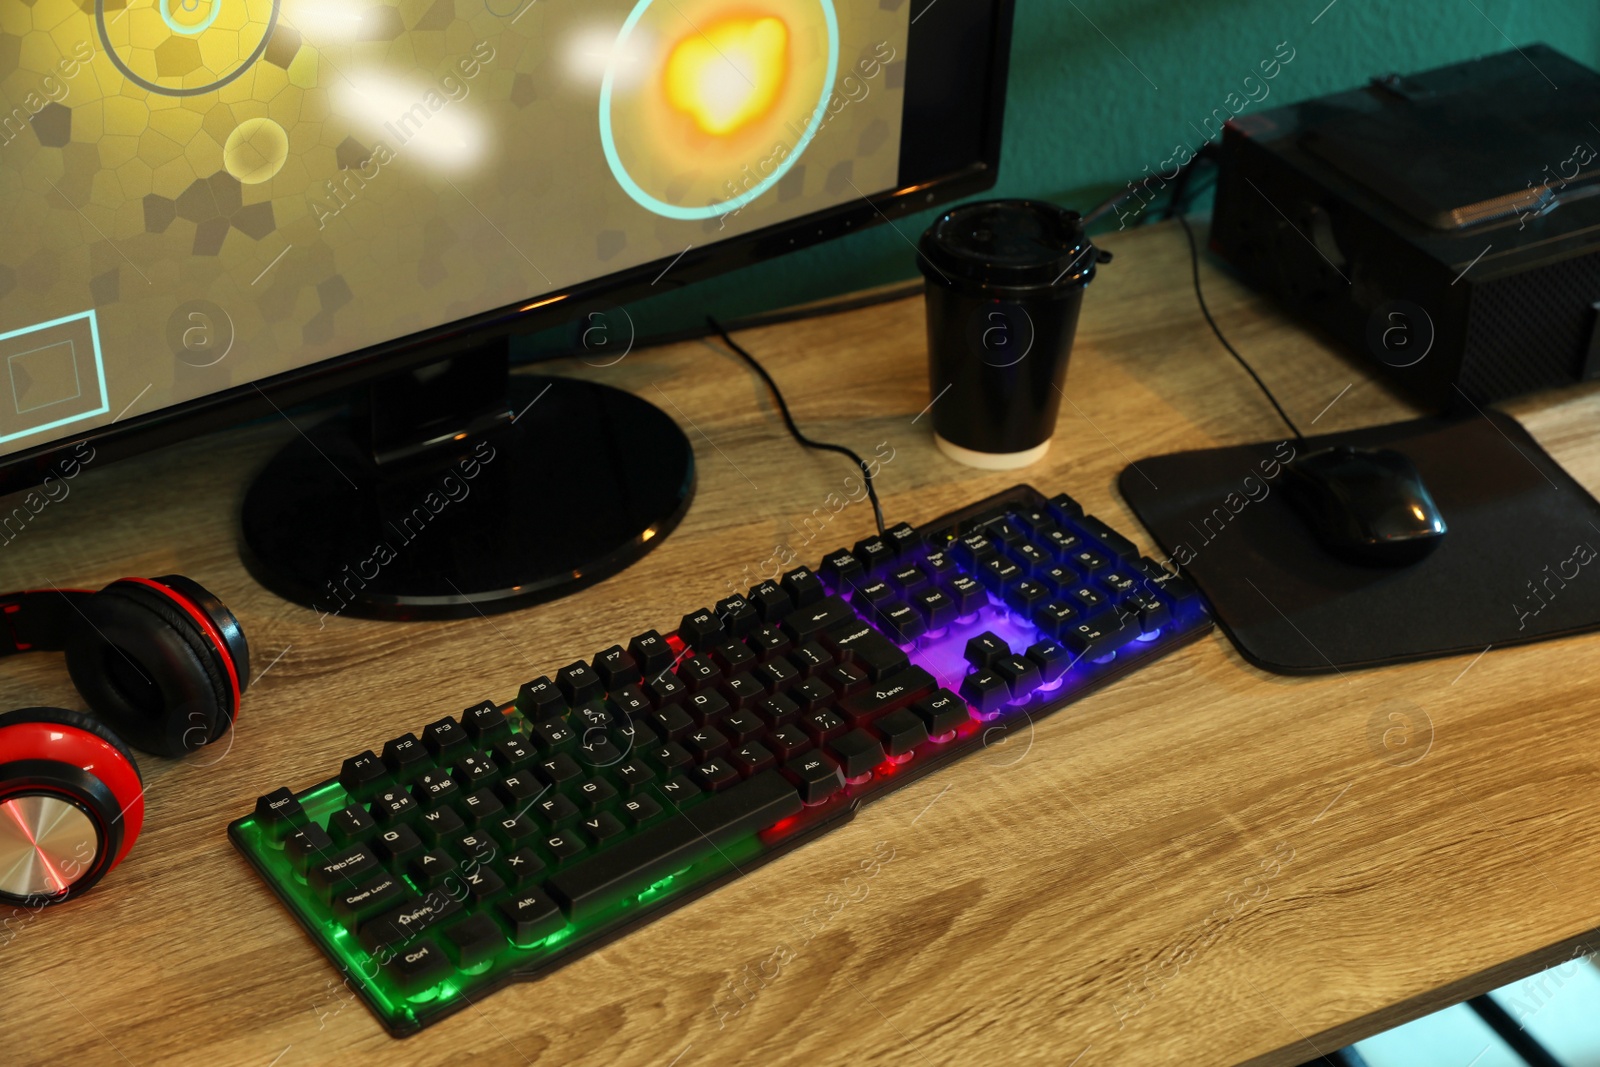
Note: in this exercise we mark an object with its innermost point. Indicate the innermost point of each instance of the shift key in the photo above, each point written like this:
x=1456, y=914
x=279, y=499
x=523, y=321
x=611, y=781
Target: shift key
x=895, y=691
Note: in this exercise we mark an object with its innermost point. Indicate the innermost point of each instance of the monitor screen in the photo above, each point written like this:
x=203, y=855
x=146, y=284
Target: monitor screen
x=199, y=196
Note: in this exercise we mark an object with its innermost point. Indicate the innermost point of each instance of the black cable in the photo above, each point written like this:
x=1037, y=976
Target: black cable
x=783, y=409
x=1194, y=260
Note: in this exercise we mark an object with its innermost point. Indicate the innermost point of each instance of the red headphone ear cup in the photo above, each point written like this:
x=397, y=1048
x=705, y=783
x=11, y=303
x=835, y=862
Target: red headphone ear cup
x=148, y=669
x=71, y=804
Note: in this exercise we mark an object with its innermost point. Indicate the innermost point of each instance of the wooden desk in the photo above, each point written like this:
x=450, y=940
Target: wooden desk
x=1071, y=896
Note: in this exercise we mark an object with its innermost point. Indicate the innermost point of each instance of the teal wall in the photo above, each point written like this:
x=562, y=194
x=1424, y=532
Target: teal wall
x=1081, y=119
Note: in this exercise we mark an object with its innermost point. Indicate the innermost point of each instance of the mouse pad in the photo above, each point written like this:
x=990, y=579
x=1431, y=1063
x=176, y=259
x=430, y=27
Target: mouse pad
x=1520, y=562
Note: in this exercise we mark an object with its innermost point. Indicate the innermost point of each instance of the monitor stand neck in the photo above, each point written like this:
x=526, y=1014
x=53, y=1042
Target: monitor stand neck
x=460, y=489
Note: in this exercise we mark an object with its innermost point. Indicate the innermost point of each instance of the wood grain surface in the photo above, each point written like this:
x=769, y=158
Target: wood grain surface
x=1204, y=864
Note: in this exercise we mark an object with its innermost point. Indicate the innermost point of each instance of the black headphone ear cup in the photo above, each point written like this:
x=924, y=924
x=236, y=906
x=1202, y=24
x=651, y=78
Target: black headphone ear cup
x=143, y=666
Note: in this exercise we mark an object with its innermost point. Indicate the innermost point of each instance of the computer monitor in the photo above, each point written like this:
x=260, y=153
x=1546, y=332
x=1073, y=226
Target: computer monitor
x=220, y=209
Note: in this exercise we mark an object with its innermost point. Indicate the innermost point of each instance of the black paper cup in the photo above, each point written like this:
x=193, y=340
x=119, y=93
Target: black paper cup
x=1005, y=282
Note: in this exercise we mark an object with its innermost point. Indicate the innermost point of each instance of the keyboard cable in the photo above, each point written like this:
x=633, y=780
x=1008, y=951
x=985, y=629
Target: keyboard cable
x=783, y=409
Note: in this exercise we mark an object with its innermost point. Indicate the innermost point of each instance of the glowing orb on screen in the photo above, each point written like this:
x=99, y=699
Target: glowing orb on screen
x=729, y=74
x=722, y=94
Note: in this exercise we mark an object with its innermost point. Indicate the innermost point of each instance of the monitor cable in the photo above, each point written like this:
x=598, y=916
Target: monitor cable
x=788, y=420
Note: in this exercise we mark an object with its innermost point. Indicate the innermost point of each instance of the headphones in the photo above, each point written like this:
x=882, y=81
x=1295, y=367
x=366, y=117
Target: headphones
x=162, y=664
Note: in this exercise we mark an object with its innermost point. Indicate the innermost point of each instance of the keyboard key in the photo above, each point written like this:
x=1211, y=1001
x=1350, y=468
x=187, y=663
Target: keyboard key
x=368, y=899
x=902, y=623
x=810, y=658
x=594, y=794
x=1087, y=600
x=974, y=550
x=777, y=710
x=523, y=867
x=482, y=884
x=1063, y=507
x=1089, y=560
x=1051, y=659
x=1021, y=675
x=347, y=868
x=1108, y=537
x=531, y=916
x=484, y=723
x=1023, y=597
x=743, y=690
x=902, y=537
x=936, y=608
x=715, y=775
x=1116, y=583
x=438, y=825
x=475, y=770
x=984, y=649
x=943, y=712
x=513, y=754
x=670, y=756
x=564, y=845
x=809, y=621
x=771, y=602
x=1095, y=638
x=540, y=699
x=279, y=812
x=874, y=653
x=397, y=845
x=616, y=667
x=803, y=587
x=480, y=808
x=738, y=616
x=768, y=642
x=679, y=789
x=435, y=788
x=873, y=552
x=633, y=775
x=1054, y=616
x=821, y=725
x=1032, y=559
x=640, y=809
x=895, y=691
x=445, y=738
x=652, y=653
x=352, y=825
x=579, y=683
x=986, y=691
x=1062, y=543
x=789, y=741
x=394, y=805
x=558, y=768
x=841, y=570
x=418, y=967
x=590, y=885
x=968, y=594
x=670, y=722
x=310, y=842
x=732, y=657
x=362, y=775
x=900, y=731
x=555, y=811
x=665, y=689
x=473, y=941
x=699, y=628
x=399, y=925
x=1152, y=610
x=405, y=757
x=707, y=706
x=753, y=757
x=856, y=752
x=430, y=869
x=815, y=775
x=846, y=678
x=514, y=831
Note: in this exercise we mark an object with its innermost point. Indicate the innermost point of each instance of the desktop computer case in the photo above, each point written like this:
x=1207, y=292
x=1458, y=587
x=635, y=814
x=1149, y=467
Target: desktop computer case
x=1485, y=311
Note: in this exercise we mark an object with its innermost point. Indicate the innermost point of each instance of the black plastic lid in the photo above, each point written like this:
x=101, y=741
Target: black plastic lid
x=1009, y=243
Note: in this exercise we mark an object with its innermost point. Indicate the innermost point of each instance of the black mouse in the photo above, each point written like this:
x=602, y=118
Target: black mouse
x=1365, y=505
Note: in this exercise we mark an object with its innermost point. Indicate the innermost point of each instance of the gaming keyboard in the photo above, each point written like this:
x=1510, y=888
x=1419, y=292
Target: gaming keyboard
x=502, y=843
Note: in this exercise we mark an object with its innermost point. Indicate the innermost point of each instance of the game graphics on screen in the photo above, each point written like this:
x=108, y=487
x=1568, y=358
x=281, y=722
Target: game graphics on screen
x=197, y=194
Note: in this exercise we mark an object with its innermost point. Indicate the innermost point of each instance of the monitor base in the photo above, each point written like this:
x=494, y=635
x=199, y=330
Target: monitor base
x=580, y=481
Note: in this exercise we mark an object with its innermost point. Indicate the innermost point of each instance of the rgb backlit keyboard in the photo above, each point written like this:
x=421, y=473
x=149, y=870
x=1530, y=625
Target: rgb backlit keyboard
x=501, y=843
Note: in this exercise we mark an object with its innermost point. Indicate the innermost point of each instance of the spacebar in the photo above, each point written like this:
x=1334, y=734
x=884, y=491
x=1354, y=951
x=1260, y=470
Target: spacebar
x=633, y=864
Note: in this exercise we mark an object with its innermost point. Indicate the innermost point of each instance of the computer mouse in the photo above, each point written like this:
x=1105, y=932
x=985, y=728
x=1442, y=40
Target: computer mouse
x=1365, y=505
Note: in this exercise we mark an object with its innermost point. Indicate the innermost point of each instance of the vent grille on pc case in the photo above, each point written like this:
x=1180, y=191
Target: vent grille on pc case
x=1530, y=330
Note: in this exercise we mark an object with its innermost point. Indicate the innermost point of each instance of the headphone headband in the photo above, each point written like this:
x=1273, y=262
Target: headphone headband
x=39, y=620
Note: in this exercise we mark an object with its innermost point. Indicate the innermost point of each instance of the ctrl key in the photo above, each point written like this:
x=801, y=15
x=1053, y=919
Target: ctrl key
x=417, y=967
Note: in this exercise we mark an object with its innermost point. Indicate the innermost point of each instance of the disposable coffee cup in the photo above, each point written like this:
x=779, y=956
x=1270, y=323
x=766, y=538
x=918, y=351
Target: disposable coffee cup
x=1005, y=283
